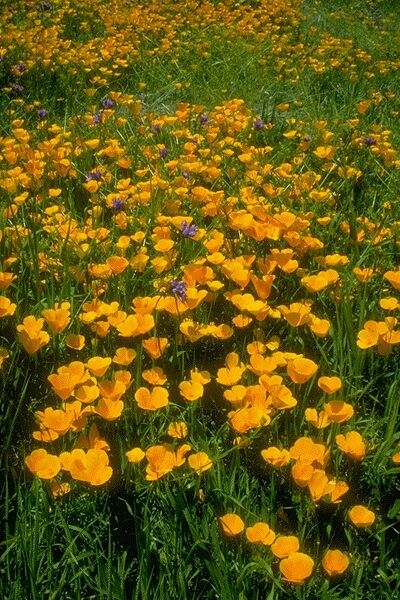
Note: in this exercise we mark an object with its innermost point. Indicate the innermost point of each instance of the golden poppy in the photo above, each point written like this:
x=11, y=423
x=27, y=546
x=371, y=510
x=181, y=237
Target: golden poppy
x=151, y=400
x=285, y=545
x=335, y=562
x=361, y=516
x=231, y=524
x=260, y=533
x=200, y=462
x=42, y=464
x=296, y=567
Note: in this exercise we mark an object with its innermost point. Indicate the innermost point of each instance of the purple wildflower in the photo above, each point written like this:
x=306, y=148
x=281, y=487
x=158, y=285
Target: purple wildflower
x=107, y=103
x=45, y=5
x=164, y=152
x=93, y=176
x=20, y=67
x=188, y=230
x=41, y=113
x=204, y=119
x=156, y=129
x=17, y=88
x=179, y=288
x=369, y=141
x=258, y=124
x=96, y=120
x=117, y=205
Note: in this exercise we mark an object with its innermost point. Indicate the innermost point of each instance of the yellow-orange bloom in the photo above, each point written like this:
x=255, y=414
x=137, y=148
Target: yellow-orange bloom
x=352, y=444
x=297, y=567
x=361, y=516
x=335, y=562
x=231, y=524
x=42, y=464
x=200, y=462
x=151, y=400
x=260, y=533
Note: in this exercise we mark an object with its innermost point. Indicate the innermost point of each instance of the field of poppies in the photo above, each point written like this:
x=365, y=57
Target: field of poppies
x=200, y=300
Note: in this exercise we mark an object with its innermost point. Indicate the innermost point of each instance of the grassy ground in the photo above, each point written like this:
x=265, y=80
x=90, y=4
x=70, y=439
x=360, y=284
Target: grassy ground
x=317, y=74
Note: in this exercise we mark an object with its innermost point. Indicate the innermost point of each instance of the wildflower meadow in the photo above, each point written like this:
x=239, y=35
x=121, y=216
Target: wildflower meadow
x=199, y=299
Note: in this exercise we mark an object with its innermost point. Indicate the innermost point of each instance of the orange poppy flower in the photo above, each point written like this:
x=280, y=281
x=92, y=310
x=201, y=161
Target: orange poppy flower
x=335, y=562
x=178, y=430
x=98, y=365
x=393, y=277
x=297, y=567
x=247, y=418
x=113, y=390
x=117, y=264
x=338, y=411
x=191, y=390
x=260, y=533
x=109, y=409
x=301, y=370
x=124, y=356
x=329, y=385
x=155, y=376
x=151, y=400
x=361, y=516
x=7, y=308
x=340, y=488
x=200, y=462
x=6, y=279
x=302, y=473
x=93, y=440
x=161, y=460
x=275, y=457
x=42, y=464
x=75, y=342
x=296, y=314
x=91, y=466
x=55, y=420
x=319, y=420
x=284, y=545
x=231, y=524
x=31, y=334
x=352, y=444
x=58, y=318
x=318, y=485
x=135, y=455
x=155, y=346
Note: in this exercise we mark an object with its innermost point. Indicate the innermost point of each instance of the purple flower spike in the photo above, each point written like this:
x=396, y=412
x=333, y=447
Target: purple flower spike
x=45, y=5
x=42, y=113
x=164, y=152
x=369, y=141
x=258, y=124
x=17, y=88
x=204, y=119
x=107, y=103
x=96, y=120
x=93, y=176
x=117, y=205
x=188, y=230
x=179, y=288
x=21, y=68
